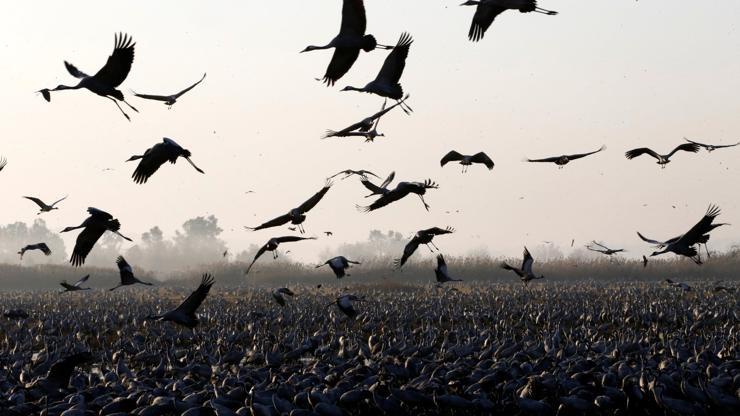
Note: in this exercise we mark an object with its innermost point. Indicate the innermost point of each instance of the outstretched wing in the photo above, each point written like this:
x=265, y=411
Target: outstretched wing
x=152, y=97
x=117, y=67
x=452, y=156
x=3, y=162
x=44, y=248
x=408, y=250
x=527, y=262
x=68, y=286
x=483, y=158
x=686, y=147
x=651, y=241
x=385, y=199
x=192, y=302
x=127, y=273
x=291, y=238
x=84, y=244
x=74, y=71
x=718, y=146
x=395, y=62
x=482, y=19
x=341, y=62
x=388, y=180
x=547, y=159
x=580, y=155
x=354, y=21
x=83, y=280
x=371, y=186
x=190, y=87
x=283, y=219
x=696, y=143
x=631, y=154
x=60, y=200
x=441, y=265
x=311, y=202
x=437, y=231
x=260, y=252
x=695, y=234
x=152, y=160
x=38, y=202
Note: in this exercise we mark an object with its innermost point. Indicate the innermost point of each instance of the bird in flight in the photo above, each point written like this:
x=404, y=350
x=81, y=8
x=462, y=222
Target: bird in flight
x=3, y=163
x=368, y=127
x=400, y=191
x=678, y=285
x=662, y=159
x=348, y=43
x=441, y=273
x=110, y=76
x=349, y=172
x=296, y=216
x=698, y=234
x=279, y=295
x=185, y=313
x=272, y=245
x=43, y=207
x=127, y=274
x=600, y=248
x=169, y=100
x=421, y=237
x=344, y=303
x=328, y=233
x=487, y=10
x=467, y=160
x=375, y=189
x=156, y=156
x=39, y=246
x=711, y=147
x=75, y=287
x=525, y=272
x=563, y=160
x=644, y=261
x=339, y=265
x=94, y=226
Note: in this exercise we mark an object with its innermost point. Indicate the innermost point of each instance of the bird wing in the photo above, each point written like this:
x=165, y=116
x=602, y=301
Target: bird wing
x=452, y=156
x=127, y=273
x=697, y=143
x=687, y=147
x=190, y=87
x=341, y=62
x=437, y=231
x=38, y=202
x=311, y=202
x=3, y=162
x=482, y=19
x=192, y=302
x=718, y=146
x=99, y=214
x=354, y=21
x=408, y=250
x=283, y=219
x=68, y=286
x=547, y=159
x=345, y=131
x=385, y=199
x=364, y=172
x=152, y=160
x=286, y=291
x=580, y=155
x=702, y=227
x=117, y=67
x=83, y=280
x=395, y=62
x=61, y=371
x=527, y=262
x=388, y=180
x=74, y=71
x=84, y=244
x=648, y=240
x=483, y=158
x=152, y=97
x=371, y=186
x=44, y=248
x=441, y=265
x=260, y=252
x=60, y=200
x=631, y=154
x=600, y=245
x=291, y=238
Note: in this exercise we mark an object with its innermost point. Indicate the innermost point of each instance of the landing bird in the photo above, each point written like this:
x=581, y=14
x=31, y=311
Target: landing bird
x=525, y=272
x=344, y=303
x=400, y=191
x=94, y=226
x=60, y=373
x=487, y=10
x=349, y=172
x=711, y=147
x=678, y=285
x=279, y=295
x=127, y=274
x=467, y=160
x=367, y=128
x=386, y=83
x=272, y=245
x=296, y=216
x=154, y=157
x=662, y=159
x=39, y=246
x=185, y=313
x=603, y=249
x=698, y=234
x=565, y=159
x=169, y=100
x=348, y=43
x=3, y=163
x=109, y=77
x=339, y=265
x=75, y=287
x=441, y=271
x=421, y=237
x=375, y=189
x=43, y=207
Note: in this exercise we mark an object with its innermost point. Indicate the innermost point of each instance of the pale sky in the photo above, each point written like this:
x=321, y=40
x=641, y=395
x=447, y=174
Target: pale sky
x=621, y=73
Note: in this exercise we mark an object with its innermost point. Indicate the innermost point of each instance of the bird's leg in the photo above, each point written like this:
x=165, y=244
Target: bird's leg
x=426, y=206
x=130, y=106
x=545, y=11
x=430, y=249
x=119, y=107
x=706, y=248
x=274, y=254
x=434, y=245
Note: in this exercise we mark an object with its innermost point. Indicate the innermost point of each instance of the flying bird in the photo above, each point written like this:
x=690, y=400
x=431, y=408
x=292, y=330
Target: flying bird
x=467, y=160
x=711, y=147
x=375, y=189
x=94, y=226
x=127, y=274
x=344, y=303
x=279, y=295
x=698, y=234
x=296, y=216
x=272, y=245
x=368, y=127
x=348, y=43
x=386, y=83
x=349, y=172
x=525, y=272
x=400, y=191
x=43, y=207
x=421, y=237
x=600, y=248
x=169, y=100
x=339, y=265
x=185, y=313
x=662, y=159
x=487, y=10
x=58, y=377
x=565, y=159
x=3, y=163
x=110, y=76
x=154, y=157
x=328, y=233
x=441, y=273
x=678, y=285
x=39, y=246
x=75, y=287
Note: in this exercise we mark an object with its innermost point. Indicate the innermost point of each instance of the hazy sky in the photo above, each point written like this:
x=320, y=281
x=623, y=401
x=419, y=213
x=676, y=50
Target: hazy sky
x=622, y=73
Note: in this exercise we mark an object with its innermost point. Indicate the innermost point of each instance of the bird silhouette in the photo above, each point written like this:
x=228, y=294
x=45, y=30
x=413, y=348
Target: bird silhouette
x=94, y=226
x=525, y=272
x=467, y=160
x=441, y=273
x=127, y=274
x=678, y=285
x=349, y=172
x=345, y=305
x=279, y=295
x=185, y=314
x=59, y=374
x=711, y=147
x=75, y=287
x=169, y=100
x=339, y=265
x=400, y=191
x=154, y=157
x=487, y=10
x=272, y=245
x=3, y=163
x=563, y=160
x=368, y=127
x=421, y=237
x=296, y=216
x=698, y=234
x=375, y=189
x=42, y=206
x=38, y=246
x=600, y=248
x=662, y=160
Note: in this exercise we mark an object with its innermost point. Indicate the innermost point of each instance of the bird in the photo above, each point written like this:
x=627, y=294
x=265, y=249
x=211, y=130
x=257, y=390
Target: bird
x=225, y=253
x=679, y=285
x=16, y=314
x=3, y=163
x=441, y=271
x=154, y=157
x=292, y=228
x=421, y=237
x=43, y=207
x=565, y=159
x=644, y=261
x=339, y=265
x=344, y=303
x=185, y=313
x=711, y=147
x=658, y=244
x=272, y=245
x=603, y=249
x=349, y=172
x=169, y=100
x=328, y=233
x=368, y=127
x=662, y=159
x=698, y=234
x=59, y=374
x=525, y=272
x=467, y=160
x=375, y=189
x=487, y=10
x=110, y=76
x=39, y=246
x=386, y=83
x=94, y=226
x=75, y=287
x=127, y=274
x=400, y=191
x=348, y=43
x=296, y=216
x=279, y=295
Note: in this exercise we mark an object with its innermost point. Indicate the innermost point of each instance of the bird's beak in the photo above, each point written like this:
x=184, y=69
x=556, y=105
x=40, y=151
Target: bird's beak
x=193, y=165
x=308, y=48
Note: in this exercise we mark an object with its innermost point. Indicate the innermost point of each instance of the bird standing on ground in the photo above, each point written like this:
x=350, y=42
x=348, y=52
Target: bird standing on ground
x=525, y=272
x=565, y=159
x=400, y=191
x=127, y=274
x=662, y=159
x=39, y=246
x=94, y=226
x=75, y=287
x=698, y=234
x=279, y=295
x=43, y=207
x=339, y=265
x=441, y=273
x=711, y=147
x=467, y=160
x=154, y=157
x=272, y=245
x=487, y=10
x=169, y=100
x=603, y=249
x=296, y=216
x=105, y=81
x=421, y=237
x=367, y=128
x=185, y=313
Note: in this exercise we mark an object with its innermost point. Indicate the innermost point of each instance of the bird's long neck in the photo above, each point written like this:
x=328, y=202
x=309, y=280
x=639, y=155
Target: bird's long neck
x=135, y=157
x=316, y=48
x=350, y=88
x=67, y=87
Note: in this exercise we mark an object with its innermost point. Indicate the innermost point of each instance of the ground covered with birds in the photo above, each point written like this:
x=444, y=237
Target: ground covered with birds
x=587, y=348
